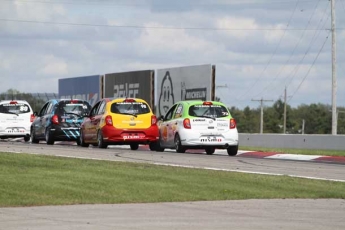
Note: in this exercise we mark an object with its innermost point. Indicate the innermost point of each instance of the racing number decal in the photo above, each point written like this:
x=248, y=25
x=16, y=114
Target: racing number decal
x=178, y=112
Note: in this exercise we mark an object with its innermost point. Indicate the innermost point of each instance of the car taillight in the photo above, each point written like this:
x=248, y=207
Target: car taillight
x=108, y=120
x=232, y=123
x=55, y=119
x=207, y=103
x=32, y=118
x=13, y=102
x=186, y=123
x=153, y=120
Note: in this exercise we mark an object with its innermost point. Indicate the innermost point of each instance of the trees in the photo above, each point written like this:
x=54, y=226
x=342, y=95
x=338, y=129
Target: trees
x=317, y=119
x=13, y=94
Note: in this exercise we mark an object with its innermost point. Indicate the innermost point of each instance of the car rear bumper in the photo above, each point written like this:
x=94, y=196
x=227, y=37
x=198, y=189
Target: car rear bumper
x=122, y=136
x=14, y=134
x=197, y=144
x=217, y=140
x=65, y=134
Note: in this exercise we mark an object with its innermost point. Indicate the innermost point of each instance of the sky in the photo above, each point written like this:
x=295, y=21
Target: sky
x=259, y=47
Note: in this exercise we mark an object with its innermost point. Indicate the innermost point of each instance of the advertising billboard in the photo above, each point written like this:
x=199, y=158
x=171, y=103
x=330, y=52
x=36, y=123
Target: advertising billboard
x=136, y=84
x=184, y=83
x=86, y=88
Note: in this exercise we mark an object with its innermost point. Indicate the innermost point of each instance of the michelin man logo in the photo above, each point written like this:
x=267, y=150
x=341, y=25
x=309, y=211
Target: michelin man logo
x=166, y=98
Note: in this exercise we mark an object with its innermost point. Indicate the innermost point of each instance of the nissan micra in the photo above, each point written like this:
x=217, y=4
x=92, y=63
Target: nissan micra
x=59, y=120
x=204, y=125
x=16, y=117
x=120, y=121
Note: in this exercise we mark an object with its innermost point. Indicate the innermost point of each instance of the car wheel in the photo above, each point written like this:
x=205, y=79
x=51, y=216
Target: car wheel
x=100, y=141
x=27, y=138
x=232, y=150
x=49, y=137
x=33, y=137
x=153, y=146
x=159, y=147
x=179, y=148
x=81, y=140
x=210, y=151
x=134, y=146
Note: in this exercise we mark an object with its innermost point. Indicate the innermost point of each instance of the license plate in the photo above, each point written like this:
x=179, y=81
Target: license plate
x=13, y=130
x=210, y=139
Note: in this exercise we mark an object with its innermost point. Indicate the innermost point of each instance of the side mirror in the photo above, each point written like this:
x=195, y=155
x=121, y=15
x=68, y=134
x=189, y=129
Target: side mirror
x=35, y=114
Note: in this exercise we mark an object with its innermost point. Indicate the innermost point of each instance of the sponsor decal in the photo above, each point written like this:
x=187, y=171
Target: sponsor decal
x=194, y=94
x=199, y=120
x=126, y=90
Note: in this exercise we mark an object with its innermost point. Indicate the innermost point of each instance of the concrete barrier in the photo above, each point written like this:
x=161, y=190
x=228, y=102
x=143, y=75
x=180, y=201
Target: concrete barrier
x=293, y=141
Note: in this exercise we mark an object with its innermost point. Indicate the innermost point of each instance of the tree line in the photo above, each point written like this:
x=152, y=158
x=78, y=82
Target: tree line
x=307, y=119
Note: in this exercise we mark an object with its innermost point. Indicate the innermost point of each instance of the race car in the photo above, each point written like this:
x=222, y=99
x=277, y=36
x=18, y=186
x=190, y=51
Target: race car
x=198, y=125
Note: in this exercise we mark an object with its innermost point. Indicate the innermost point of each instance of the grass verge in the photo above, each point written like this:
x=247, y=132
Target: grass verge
x=34, y=180
x=297, y=151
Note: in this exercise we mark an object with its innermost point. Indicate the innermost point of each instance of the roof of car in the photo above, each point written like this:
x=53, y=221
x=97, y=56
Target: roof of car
x=129, y=98
x=194, y=102
x=8, y=101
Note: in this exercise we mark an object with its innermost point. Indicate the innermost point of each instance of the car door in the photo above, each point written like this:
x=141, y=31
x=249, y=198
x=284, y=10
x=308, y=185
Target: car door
x=96, y=120
x=166, y=128
x=41, y=121
x=88, y=124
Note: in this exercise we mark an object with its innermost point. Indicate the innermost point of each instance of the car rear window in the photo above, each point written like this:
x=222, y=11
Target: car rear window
x=80, y=108
x=213, y=111
x=130, y=108
x=14, y=108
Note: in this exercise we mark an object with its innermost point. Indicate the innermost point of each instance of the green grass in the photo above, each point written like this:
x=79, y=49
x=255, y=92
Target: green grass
x=34, y=180
x=297, y=151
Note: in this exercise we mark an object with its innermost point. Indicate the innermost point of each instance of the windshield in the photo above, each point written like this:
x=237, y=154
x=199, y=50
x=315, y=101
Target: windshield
x=15, y=108
x=130, y=108
x=80, y=108
x=212, y=111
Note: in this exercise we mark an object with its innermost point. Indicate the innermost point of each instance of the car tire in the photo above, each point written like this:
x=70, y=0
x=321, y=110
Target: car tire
x=81, y=140
x=134, y=146
x=210, y=151
x=33, y=137
x=232, y=150
x=159, y=147
x=178, y=147
x=153, y=146
x=100, y=140
x=27, y=138
x=49, y=137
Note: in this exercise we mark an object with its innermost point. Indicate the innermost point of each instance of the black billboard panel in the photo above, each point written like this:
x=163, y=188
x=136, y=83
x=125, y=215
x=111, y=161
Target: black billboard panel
x=135, y=84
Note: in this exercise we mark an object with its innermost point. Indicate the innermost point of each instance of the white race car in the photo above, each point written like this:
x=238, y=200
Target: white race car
x=16, y=117
x=198, y=125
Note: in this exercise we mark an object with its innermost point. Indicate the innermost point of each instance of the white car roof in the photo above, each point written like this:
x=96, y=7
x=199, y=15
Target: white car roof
x=18, y=101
